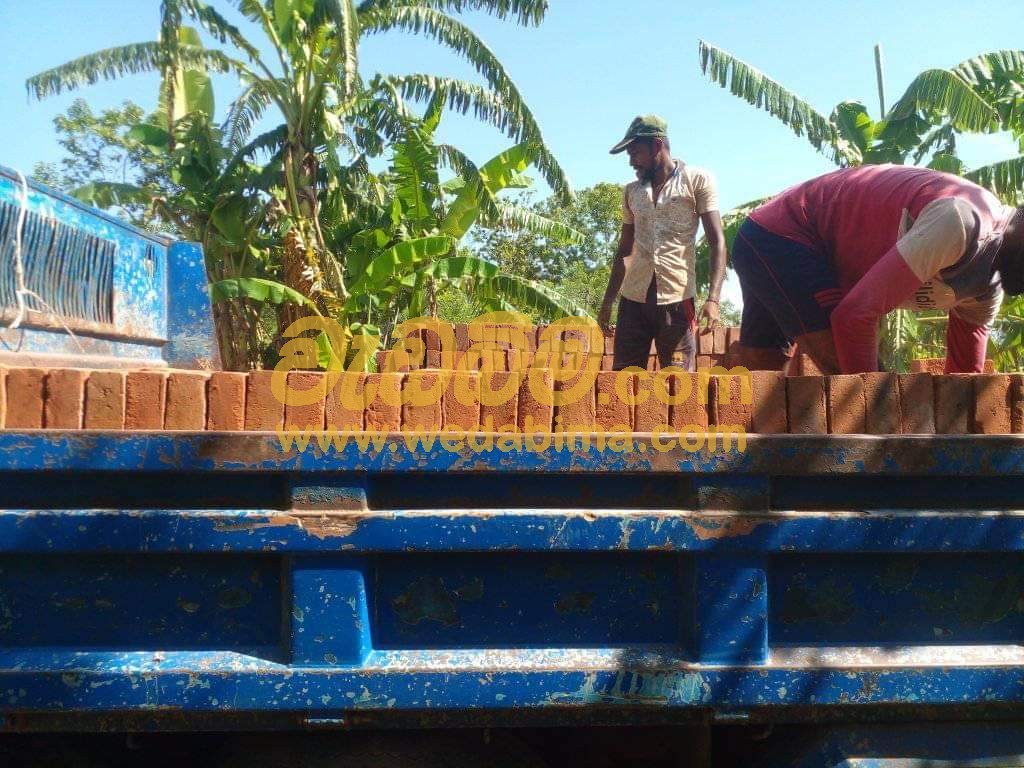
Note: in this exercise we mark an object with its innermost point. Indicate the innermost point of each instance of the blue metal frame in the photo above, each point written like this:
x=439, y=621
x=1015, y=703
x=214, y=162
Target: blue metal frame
x=212, y=573
x=161, y=305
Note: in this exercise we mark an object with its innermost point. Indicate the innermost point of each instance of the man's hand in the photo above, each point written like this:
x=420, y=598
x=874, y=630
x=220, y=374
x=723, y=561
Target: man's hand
x=604, y=317
x=708, y=317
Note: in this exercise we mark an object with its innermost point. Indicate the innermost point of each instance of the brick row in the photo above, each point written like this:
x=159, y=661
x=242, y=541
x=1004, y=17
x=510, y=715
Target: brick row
x=536, y=399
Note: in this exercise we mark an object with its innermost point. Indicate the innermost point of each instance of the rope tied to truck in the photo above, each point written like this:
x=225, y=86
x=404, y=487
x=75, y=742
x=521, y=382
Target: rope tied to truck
x=21, y=291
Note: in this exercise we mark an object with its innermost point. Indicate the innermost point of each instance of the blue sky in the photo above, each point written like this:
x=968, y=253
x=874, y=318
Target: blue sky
x=586, y=72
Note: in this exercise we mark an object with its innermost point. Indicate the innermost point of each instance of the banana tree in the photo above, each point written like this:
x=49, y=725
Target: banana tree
x=397, y=266
x=982, y=94
x=938, y=104
x=312, y=80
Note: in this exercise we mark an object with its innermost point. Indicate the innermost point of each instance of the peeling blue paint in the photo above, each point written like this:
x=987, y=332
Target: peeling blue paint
x=210, y=573
x=160, y=302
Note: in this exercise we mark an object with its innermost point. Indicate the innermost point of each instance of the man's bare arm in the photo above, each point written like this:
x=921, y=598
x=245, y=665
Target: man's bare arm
x=715, y=236
x=618, y=273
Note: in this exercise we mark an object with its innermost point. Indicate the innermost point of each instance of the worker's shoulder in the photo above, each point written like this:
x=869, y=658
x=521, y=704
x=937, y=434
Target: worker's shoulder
x=699, y=174
x=955, y=215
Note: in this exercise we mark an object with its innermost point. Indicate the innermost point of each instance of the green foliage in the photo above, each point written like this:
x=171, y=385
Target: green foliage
x=104, y=163
x=760, y=91
x=257, y=289
x=549, y=252
x=982, y=94
x=356, y=237
x=409, y=257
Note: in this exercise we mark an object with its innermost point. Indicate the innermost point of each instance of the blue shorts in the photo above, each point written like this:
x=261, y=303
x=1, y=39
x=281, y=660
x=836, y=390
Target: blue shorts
x=789, y=289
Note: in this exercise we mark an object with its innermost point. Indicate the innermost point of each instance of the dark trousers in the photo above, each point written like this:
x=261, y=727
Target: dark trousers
x=669, y=326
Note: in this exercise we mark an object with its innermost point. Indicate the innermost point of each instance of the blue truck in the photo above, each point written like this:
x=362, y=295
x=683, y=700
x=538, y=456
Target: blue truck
x=805, y=601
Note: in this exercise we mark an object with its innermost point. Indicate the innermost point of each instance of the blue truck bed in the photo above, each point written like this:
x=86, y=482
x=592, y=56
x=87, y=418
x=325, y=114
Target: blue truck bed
x=807, y=578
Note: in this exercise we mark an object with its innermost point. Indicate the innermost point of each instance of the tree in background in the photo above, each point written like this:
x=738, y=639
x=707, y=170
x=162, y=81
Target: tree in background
x=99, y=148
x=308, y=178
x=981, y=95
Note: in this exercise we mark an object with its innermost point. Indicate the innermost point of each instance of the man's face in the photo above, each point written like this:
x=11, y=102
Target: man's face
x=641, y=159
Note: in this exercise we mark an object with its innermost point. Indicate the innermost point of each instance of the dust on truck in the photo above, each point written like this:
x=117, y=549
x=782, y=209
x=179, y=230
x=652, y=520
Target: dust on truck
x=808, y=599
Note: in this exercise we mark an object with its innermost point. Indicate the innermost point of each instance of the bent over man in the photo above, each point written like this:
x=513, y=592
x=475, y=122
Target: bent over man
x=661, y=211
x=824, y=261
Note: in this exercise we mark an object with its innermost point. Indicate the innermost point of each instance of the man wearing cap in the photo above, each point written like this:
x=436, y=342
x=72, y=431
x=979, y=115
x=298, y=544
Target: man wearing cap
x=660, y=214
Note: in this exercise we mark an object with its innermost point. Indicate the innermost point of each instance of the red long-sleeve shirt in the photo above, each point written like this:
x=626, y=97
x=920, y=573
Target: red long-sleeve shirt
x=905, y=237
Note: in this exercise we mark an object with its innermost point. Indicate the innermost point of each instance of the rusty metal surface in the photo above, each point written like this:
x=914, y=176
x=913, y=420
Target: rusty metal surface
x=926, y=456
x=209, y=573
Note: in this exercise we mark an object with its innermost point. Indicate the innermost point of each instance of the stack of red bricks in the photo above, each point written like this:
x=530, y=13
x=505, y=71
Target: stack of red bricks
x=878, y=403
x=506, y=347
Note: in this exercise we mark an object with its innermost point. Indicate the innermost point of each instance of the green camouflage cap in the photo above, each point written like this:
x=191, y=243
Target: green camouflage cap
x=643, y=127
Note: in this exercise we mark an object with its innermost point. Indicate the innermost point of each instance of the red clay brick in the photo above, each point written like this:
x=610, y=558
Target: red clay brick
x=104, y=400
x=936, y=366
x=422, y=385
x=993, y=404
x=808, y=367
x=514, y=337
x=303, y=385
x=705, y=342
x=704, y=362
x=536, y=398
x=397, y=361
x=1017, y=415
x=462, y=340
x=264, y=411
x=384, y=409
x=431, y=339
x=144, y=400
x=690, y=412
x=720, y=347
x=769, y=412
x=225, y=398
x=482, y=360
x=346, y=402
x=882, y=403
x=607, y=362
x=25, y=395
x=3, y=396
x=732, y=337
x=954, y=404
x=651, y=402
x=609, y=343
x=917, y=403
x=499, y=399
x=727, y=406
x=805, y=397
x=538, y=336
x=847, y=406
x=186, y=401
x=527, y=335
x=462, y=401
x=433, y=359
x=933, y=365
x=65, y=398
x=518, y=360
x=579, y=409
x=613, y=412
